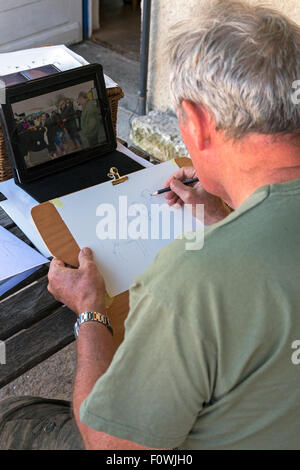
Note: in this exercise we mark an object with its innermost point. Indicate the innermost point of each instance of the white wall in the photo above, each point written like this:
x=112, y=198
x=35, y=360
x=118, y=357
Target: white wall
x=95, y=14
x=28, y=23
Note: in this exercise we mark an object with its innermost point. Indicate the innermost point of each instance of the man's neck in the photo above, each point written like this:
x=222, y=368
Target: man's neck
x=237, y=195
x=255, y=162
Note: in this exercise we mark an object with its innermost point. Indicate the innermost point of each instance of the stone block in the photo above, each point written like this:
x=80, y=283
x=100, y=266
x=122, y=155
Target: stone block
x=158, y=134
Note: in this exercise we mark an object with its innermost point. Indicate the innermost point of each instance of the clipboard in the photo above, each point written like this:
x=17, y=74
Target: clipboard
x=55, y=233
x=62, y=245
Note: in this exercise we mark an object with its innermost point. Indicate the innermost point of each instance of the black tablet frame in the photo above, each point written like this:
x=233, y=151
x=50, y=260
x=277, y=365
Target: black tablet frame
x=42, y=86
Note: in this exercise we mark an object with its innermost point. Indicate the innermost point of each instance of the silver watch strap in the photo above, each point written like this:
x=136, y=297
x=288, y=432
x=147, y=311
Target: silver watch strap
x=92, y=316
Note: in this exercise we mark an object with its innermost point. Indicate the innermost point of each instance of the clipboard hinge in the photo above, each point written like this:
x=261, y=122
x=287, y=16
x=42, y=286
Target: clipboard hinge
x=115, y=176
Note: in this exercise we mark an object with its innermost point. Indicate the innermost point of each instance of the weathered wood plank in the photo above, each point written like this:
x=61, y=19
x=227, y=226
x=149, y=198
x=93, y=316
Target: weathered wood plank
x=25, y=308
x=39, y=342
x=5, y=220
x=42, y=272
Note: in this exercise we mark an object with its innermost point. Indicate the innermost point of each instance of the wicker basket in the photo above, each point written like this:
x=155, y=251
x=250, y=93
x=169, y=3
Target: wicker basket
x=114, y=95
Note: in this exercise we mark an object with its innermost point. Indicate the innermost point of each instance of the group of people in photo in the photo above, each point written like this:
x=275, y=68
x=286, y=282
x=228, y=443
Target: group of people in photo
x=71, y=125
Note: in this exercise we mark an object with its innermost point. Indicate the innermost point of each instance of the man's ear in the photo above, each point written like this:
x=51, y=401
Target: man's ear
x=195, y=125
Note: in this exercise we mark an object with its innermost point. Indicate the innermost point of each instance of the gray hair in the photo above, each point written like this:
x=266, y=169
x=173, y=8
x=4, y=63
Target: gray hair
x=239, y=62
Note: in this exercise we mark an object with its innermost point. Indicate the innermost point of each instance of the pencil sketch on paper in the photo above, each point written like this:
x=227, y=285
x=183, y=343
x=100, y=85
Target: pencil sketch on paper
x=129, y=252
x=124, y=248
x=146, y=199
x=146, y=195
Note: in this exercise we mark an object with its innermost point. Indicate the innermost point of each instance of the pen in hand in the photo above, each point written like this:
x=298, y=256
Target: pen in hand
x=166, y=190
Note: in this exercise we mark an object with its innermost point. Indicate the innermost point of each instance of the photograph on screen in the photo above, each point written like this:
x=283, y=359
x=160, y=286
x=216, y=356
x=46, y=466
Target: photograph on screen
x=58, y=124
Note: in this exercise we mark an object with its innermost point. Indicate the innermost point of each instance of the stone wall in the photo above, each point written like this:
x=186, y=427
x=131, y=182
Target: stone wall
x=164, y=15
x=158, y=132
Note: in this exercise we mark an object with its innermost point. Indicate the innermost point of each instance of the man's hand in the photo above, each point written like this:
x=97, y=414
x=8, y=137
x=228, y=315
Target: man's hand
x=81, y=289
x=193, y=194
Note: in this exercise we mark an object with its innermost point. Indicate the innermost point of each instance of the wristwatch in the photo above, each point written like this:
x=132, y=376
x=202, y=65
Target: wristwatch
x=92, y=316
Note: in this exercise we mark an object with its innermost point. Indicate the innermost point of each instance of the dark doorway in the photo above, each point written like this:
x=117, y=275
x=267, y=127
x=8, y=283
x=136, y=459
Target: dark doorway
x=120, y=26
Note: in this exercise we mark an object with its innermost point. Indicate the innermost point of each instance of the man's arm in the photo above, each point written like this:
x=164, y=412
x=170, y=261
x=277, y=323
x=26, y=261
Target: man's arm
x=83, y=290
x=95, y=350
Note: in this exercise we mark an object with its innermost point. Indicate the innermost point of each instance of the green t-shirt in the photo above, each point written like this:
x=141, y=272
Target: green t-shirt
x=90, y=120
x=207, y=358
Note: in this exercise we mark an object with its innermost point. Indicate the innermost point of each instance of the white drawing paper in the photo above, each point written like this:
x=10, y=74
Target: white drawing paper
x=121, y=260
x=16, y=259
x=60, y=56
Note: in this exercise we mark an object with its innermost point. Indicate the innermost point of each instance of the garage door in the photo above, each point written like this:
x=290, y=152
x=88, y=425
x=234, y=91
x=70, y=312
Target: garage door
x=28, y=23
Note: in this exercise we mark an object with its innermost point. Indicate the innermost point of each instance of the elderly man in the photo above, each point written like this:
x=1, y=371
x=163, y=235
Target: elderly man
x=207, y=359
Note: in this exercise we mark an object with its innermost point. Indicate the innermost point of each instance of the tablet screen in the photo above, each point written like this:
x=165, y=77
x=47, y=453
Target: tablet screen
x=57, y=124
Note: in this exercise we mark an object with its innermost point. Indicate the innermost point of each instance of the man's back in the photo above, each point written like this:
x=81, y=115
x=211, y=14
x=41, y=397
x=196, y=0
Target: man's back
x=251, y=273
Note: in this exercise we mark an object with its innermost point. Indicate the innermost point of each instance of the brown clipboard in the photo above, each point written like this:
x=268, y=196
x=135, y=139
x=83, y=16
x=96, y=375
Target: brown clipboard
x=62, y=245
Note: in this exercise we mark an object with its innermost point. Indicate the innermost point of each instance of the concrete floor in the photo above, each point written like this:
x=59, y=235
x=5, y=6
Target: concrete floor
x=53, y=378
x=120, y=28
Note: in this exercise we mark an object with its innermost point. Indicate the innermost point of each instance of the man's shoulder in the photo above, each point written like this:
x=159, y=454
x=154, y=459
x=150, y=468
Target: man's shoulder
x=234, y=246
x=177, y=268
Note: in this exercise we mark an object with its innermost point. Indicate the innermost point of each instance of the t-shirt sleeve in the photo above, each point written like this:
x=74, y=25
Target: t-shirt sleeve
x=159, y=379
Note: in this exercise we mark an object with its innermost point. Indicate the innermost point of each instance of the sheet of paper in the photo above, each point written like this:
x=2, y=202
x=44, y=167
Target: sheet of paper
x=14, y=281
x=121, y=148
x=18, y=207
x=16, y=259
x=19, y=204
x=60, y=56
x=120, y=260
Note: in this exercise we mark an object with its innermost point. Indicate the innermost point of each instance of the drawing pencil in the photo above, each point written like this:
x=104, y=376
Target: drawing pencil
x=166, y=190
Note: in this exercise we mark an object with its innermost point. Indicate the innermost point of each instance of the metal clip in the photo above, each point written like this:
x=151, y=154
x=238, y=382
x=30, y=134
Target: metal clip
x=115, y=176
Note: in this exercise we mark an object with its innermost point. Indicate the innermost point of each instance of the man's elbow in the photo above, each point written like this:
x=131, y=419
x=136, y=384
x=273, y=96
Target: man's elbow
x=95, y=440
